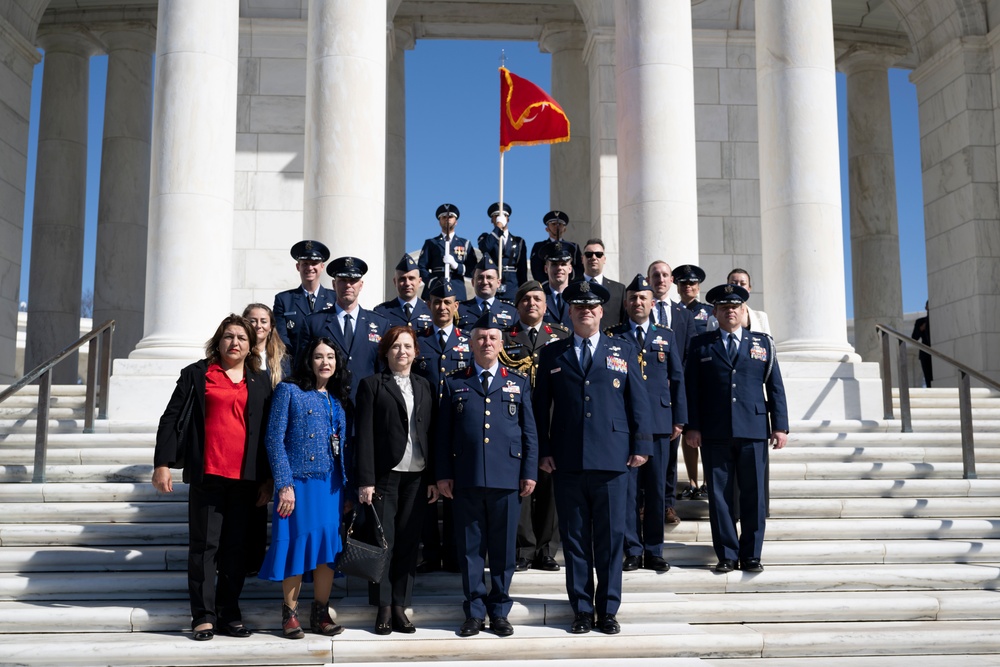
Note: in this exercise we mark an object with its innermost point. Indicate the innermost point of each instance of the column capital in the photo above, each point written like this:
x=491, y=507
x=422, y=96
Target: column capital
x=858, y=57
x=400, y=36
x=130, y=35
x=74, y=39
x=600, y=45
x=557, y=37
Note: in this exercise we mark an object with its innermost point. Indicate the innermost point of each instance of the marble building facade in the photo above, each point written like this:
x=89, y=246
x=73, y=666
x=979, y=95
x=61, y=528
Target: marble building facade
x=689, y=145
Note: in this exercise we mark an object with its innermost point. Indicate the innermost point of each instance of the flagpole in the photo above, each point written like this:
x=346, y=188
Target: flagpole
x=503, y=63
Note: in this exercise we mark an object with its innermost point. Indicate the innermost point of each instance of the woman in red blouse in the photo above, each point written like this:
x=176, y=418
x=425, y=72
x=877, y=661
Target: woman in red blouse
x=214, y=428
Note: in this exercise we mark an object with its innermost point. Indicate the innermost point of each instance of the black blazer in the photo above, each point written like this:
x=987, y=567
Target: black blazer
x=382, y=426
x=192, y=458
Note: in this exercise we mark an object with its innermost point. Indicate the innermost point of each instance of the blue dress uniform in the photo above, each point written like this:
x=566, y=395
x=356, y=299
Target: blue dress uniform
x=395, y=314
x=663, y=375
x=487, y=444
x=727, y=403
x=431, y=261
x=556, y=313
x=680, y=321
x=469, y=312
x=515, y=255
x=591, y=422
x=540, y=250
x=368, y=329
x=292, y=307
x=700, y=311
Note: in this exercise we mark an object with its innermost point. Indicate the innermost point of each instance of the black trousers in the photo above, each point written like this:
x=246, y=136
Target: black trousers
x=537, y=531
x=219, y=515
x=399, y=499
x=438, y=536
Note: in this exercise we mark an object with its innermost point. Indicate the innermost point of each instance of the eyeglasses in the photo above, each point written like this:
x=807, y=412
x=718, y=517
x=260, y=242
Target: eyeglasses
x=593, y=253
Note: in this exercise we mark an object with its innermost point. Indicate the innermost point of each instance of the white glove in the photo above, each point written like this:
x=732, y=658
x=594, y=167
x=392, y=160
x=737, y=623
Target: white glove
x=450, y=261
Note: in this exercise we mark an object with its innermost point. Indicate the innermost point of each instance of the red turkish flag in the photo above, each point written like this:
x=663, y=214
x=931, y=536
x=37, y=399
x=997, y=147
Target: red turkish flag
x=528, y=115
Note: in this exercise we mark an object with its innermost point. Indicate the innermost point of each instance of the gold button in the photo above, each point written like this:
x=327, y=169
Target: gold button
x=486, y=441
x=487, y=413
x=487, y=400
x=442, y=370
x=588, y=414
x=487, y=426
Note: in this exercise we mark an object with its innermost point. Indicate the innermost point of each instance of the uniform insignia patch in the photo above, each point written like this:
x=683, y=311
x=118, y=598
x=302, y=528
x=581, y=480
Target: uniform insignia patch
x=373, y=326
x=374, y=337
x=458, y=252
x=555, y=370
x=616, y=383
x=617, y=364
x=461, y=348
x=585, y=286
x=423, y=364
x=460, y=408
x=461, y=365
x=290, y=324
x=702, y=315
x=659, y=340
x=614, y=348
x=661, y=356
x=512, y=409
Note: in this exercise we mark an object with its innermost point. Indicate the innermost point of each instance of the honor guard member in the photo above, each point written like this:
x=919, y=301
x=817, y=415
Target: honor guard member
x=449, y=250
x=485, y=281
x=736, y=407
x=406, y=309
x=663, y=375
x=594, y=259
x=558, y=270
x=513, y=261
x=356, y=331
x=689, y=279
x=443, y=348
x=487, y=460
x=593, y=425
x=555, y=224
x=292, y=307
x=537, y=532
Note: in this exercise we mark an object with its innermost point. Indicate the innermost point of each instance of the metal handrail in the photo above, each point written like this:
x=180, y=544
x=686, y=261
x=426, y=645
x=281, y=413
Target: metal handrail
x=965, y=376
x=99, y=352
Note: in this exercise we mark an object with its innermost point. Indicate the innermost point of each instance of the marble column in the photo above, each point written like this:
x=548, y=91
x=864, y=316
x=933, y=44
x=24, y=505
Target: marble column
x=123, y=206
x=400, y=40
x=801, y=235
x=188, y=264
x=56, y=266
x=657, y=175
x=878, y=288
x=599, y=55
x=345, y=133
x=18, y=57
x=569, y=162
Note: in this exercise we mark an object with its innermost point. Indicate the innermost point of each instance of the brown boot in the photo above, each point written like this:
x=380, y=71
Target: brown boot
x=320, y=621
x=290, y=625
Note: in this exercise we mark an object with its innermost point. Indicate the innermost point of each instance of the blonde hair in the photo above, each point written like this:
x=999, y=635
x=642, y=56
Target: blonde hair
x=274, y=347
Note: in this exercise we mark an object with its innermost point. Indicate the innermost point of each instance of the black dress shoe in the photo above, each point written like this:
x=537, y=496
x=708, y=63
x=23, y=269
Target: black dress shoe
x=400, y=623
x=383, y=621
x=630, y=563
x=204, y=635
x=427, y=567
x=472, y=626
x=725, y=565
x=608, y=624
x=451, y=566
x=235, y=629
x=751, y=565
x=547, y=563
x=582, y=623
x=655, y=563
x=501, y=627
x=522, y=564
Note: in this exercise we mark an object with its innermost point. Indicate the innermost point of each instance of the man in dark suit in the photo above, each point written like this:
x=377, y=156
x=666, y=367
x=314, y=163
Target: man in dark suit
x=594, y=260
x=443, y=348
x=593, y=425
x=446, y=255
x=732, y=419
x=513, y=260
x=406, y=309
x=486, y=403
x=292, y=307
x=486, y=281
x=669, y=313
x=663, y=376
x=558, y=270
x=555, y=224
x=356, y=331
x=922, y=333
x=537, y=532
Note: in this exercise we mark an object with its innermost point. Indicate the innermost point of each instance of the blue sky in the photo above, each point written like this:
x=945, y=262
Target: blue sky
x=452, y=153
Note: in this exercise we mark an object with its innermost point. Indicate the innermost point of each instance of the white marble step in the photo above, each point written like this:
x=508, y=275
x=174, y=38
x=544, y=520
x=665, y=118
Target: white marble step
x=636, y=641
x=76, y=426
x=86, y=456
x=445, y=610
x=56, y=390
x=114, y=492
x=895, y=438
x=79, y=473
x=81, y=440
x=22, y=400
x=991, y=413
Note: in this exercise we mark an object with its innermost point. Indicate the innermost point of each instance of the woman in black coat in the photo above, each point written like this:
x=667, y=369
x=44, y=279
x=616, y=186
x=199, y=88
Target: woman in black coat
x=394, y=468
x=214, y=428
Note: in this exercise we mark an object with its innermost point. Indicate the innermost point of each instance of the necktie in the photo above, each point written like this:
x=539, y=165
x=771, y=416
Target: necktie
x=485, y=308
x=585, y=356
x=558, y=302
x=733, y=348
x=407, y=310
x=661, y=314
x=640, y=337
x=443, y=339
x=348, y=331
x=532, y=335
x=486, y=381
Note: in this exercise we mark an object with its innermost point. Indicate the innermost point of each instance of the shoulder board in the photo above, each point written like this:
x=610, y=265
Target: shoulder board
x=557, y=326
x=507, y=370
x=664, y=327
x=483, y=235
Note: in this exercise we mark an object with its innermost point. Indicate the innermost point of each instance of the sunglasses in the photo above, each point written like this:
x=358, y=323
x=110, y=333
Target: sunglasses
x=594, y=253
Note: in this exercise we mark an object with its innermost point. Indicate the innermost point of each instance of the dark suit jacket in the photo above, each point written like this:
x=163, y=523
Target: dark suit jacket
x=614, y=309
x=168, y=446
x=382, y=426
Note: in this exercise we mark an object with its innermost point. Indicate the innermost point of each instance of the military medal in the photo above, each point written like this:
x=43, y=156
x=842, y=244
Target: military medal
x=460, y=408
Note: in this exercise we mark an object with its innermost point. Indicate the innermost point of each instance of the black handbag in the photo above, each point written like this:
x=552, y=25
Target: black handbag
x=362, y=559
